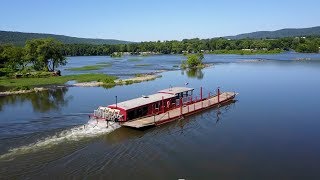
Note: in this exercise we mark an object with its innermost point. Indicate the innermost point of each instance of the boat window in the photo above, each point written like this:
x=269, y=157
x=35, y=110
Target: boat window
x=157, y=105
x=144, y=110
x=130, y=115
x=137, y=113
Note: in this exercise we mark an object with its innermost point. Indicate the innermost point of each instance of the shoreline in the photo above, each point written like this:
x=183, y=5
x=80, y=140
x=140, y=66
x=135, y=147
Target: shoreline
x=138, y=79
x=118, y=82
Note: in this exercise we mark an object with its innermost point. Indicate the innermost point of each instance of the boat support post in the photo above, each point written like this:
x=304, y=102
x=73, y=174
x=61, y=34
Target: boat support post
x=218, y=94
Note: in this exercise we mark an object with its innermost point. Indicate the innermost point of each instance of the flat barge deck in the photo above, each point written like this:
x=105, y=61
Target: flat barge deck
x=182, y=111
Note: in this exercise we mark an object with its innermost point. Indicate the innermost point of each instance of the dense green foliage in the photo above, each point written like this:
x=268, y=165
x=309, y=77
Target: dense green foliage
x=38, y=54
x=219, y=45
x=44, y=54
x=20, y=38
x=47, y=54
x=193, y=61
x=313, y=31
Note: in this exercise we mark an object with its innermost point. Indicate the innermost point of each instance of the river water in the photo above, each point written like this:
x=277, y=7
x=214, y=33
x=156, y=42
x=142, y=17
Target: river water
x=271, y=131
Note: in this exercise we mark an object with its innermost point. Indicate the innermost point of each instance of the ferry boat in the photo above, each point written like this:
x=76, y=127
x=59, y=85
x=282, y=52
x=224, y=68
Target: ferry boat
x=164, y=106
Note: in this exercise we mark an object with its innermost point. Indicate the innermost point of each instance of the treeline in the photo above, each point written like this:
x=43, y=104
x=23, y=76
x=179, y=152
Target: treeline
x=299, y=44
x=47, y=54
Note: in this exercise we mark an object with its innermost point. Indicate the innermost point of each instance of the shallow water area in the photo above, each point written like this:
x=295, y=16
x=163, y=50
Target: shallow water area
x=270, y=131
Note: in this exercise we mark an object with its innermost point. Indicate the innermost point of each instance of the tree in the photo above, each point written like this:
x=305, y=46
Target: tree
x=13, y=57
x=46, y=54
x=193, y=60
x=308, y=47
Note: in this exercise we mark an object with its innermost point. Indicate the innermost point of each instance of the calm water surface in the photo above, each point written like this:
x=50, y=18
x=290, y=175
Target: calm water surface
x=272, y=130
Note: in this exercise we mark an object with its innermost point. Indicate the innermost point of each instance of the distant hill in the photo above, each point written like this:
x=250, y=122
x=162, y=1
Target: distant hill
x=290, y=32
x=19, y=38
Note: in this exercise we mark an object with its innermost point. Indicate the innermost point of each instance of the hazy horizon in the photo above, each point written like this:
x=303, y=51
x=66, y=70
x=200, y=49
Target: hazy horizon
x=151, y=21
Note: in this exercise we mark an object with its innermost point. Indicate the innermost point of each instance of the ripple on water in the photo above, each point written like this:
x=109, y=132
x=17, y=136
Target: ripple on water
x=89, y=130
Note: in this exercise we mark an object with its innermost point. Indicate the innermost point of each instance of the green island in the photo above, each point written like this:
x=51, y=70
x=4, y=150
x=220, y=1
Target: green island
x=194, y=61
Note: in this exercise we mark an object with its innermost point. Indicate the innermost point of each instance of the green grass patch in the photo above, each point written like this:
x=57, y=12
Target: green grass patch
x=104, y=63
x=140, y=65
x=134, y=59
x=54, y=80
x=91, y=67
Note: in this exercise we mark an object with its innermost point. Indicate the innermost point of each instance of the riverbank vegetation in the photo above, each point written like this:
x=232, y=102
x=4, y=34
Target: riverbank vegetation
x=47, y=54
x=216, y=45
x=28, y=83
x=39, y=58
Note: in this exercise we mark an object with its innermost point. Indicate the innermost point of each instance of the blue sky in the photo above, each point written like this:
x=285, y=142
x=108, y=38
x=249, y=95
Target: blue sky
x=150, y=20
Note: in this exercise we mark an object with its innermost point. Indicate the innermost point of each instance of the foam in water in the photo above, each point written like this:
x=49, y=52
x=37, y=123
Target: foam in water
x=92, y=129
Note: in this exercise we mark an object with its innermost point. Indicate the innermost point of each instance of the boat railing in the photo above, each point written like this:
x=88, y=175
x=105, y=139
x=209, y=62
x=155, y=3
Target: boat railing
x=185, y=100
x=154, y=117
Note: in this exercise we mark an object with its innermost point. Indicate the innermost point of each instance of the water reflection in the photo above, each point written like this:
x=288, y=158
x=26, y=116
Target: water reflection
x=44, y=101
x=193, y=73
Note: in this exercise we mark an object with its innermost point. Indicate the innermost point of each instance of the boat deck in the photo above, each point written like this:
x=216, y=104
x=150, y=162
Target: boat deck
x=179, y=112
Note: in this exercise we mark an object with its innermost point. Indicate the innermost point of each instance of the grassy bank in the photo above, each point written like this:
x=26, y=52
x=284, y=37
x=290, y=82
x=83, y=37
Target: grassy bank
x=246, y=52
x=27, y=83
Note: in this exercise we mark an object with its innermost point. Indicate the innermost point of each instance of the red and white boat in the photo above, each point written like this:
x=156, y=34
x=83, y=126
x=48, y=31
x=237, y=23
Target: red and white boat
x=162, y=107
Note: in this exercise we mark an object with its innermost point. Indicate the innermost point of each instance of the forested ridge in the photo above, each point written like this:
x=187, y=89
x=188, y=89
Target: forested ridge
x=20, y=38
x=288, y=32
